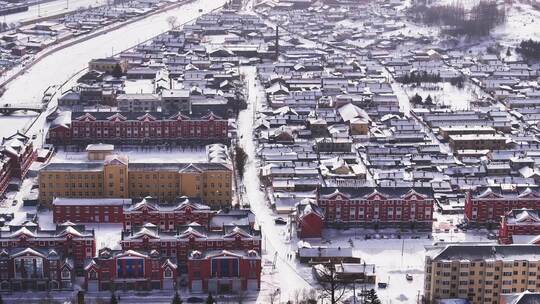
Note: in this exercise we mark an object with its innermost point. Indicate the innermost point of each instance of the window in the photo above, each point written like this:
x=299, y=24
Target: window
x=66, y=274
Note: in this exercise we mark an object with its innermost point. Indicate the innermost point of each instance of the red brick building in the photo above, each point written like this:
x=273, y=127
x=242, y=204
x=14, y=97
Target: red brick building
x=167, y=217
x=131, y=127
x=224, y=271
x=180, y=243
x=309, y=220
x=486, y=205
x=130, y=270
x=519, y=222
x=377, y=207
x=68, y=239
x=89, y=210
x=16, y=155
x=36, y=269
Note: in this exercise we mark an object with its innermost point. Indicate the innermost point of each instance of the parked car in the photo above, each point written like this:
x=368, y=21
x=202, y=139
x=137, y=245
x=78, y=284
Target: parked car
x=280, y=221
x=491, y=236
x=194, y=300
x=409, y=277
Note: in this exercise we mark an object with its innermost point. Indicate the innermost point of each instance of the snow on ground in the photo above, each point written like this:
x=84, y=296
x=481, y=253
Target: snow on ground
x=445, y=94
x=140, y=154
x=139, y=86
x=107, y=235
x=523, y=22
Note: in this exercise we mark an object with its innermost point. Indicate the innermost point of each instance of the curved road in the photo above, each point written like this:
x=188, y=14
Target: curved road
x=58, y=67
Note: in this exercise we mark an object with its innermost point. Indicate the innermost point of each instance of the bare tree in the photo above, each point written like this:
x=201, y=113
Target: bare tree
x=172, y=21
x=331, y=286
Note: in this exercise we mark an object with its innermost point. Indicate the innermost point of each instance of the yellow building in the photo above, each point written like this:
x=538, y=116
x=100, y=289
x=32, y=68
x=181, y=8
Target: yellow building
x=117, y=178
x=107, y=65
x=480, y=273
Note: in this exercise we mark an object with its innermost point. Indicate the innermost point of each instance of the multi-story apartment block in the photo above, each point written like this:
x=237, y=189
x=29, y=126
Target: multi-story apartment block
x=180, y=243
x=68, y=239
x=480, y=273
x=376, y=206
x=520, y=226
x=116, y=177
x=137, y=127
x=477, y=141
x=130, y=270
x=486, y=205
x=37, y=269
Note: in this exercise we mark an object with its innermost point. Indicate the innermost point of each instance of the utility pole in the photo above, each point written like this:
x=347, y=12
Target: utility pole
x=277, y=43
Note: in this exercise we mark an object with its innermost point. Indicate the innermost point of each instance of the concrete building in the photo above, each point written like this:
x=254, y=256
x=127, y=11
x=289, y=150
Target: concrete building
x=117, y=178
x=138, y=102
x=106, y=64
x=480, y=273
x=477, y=141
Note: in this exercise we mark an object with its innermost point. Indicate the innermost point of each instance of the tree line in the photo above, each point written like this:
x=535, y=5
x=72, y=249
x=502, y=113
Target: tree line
x=529, y=49
x=457, y=20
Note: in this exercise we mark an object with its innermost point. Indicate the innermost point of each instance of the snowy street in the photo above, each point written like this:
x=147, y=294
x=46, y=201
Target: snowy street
x=286, y=277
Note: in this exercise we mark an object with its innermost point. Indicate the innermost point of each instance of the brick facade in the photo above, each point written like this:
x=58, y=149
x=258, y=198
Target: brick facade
x=525, y=222
x=224, y=271
x=486, y=205
x=131, y=127
x=180, y=243
x=36, y=269
x=130, y=270
x=103, y=210
x=16, y=155
x=68, y=239
x=377, y=206
x=167, y=217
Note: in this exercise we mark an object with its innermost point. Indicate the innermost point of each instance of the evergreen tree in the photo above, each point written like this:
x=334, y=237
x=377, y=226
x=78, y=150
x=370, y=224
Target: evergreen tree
x=117, y=71
x=416, y=99
x=372, y=298
x=176, y=299
x=113, y=299
x=210, y=299
x=429, y=100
